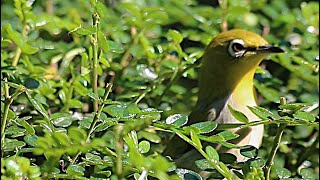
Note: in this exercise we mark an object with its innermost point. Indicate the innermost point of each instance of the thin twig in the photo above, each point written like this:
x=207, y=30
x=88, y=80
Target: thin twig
x=273, y=152
x=177, y=74
x=97, y=115
x=95, y=47
x=7, y=103
x=124, y=60
x=95, y=118
x=119, y=149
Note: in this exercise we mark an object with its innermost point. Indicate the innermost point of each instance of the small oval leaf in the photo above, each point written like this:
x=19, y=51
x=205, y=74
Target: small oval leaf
x=205, y=127
x=212, y=153
x=283, y=173
x=238, y=115
x=249, y=151
x=177, y=120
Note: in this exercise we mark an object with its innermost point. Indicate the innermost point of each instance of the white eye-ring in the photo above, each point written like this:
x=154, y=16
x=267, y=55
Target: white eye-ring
x=236, y=48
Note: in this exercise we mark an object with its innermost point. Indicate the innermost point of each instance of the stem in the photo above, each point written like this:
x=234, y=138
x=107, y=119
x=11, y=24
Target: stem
x=69, y=96
x=8, y=101
x=49, y=7
x=97, y=115
x=224, y=6
x=124, y=60
x=95, y=47
x=95, y=118
x=16, y=57
x=119, y=149
x=18, y=50
x=175, y=78
x=142, y=95
x=215, y=164
x=4, y=120
x=273, y=152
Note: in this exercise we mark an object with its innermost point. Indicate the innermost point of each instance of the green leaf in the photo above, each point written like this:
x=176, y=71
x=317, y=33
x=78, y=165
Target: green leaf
x=74, y=103
x=16, y=166
x=62, y=139
x=228, y=135
x=31, y=139
x=262, y=113
x=62, y=119
x=27, y=126
x=227, y=158
x=150, y=136
x=128, y=95
x=238, y=115
x=37, y=105
x=85, y=30
x=212, y=153
x=78, y=135
x=102, y=42
x=230, y=145
x=16, y=86
x=188, y=174
x=283, y=173
x=75, y=170
x=170, y=64
x=249, y=151
x=177, y=120
x=300, y=115
x=257, y=163
x=238, y=11
x=19, y=40
x=115, y=47
x=5, y=43
x=205, y=127
x=146, y=72
x=12, y=145
x=195, y=139
x=122, y=110
x=104, y=62
x=184, y=137
x=154, y=16
x=93, y=95
x=31, y=83
x=203, y=164
x=175, y=36
x=307, y=174
x=40, y=98
x=101, y=9
x=292, y=107
x=94, y=159
x=144, y=147
x=15, y=131
x=268, y=93
x=213, y=138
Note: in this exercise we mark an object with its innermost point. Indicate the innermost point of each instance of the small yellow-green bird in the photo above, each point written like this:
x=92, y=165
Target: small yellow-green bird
x=226, y=78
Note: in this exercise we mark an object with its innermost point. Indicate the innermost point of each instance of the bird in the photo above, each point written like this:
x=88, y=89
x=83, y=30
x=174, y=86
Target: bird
x=226, y=78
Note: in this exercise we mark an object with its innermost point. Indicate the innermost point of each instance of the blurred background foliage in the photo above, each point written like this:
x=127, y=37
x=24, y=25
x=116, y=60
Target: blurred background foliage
x=150, y=53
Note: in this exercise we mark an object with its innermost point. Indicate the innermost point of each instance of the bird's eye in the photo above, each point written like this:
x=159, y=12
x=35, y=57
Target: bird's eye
x=236, y=48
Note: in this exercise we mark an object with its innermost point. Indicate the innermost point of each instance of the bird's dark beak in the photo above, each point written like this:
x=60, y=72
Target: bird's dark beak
x=268, y=49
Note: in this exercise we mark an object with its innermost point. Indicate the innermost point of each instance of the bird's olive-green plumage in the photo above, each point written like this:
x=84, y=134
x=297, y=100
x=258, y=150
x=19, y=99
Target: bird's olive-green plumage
x=226, y=77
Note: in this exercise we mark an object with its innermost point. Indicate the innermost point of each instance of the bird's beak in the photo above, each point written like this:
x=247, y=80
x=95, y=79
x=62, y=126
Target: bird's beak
x=268, y=49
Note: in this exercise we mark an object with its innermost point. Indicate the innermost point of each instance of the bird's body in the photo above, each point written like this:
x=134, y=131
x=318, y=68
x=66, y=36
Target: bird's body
x=226, y=78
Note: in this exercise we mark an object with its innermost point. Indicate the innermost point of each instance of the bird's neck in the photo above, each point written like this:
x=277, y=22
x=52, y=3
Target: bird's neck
x=216, y=96
x=244, y=92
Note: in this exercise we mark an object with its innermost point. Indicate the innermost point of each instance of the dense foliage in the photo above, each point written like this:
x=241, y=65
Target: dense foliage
x=94, y=89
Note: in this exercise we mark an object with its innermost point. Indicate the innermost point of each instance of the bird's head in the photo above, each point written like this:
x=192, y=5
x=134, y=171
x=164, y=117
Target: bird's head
x=229, y=58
